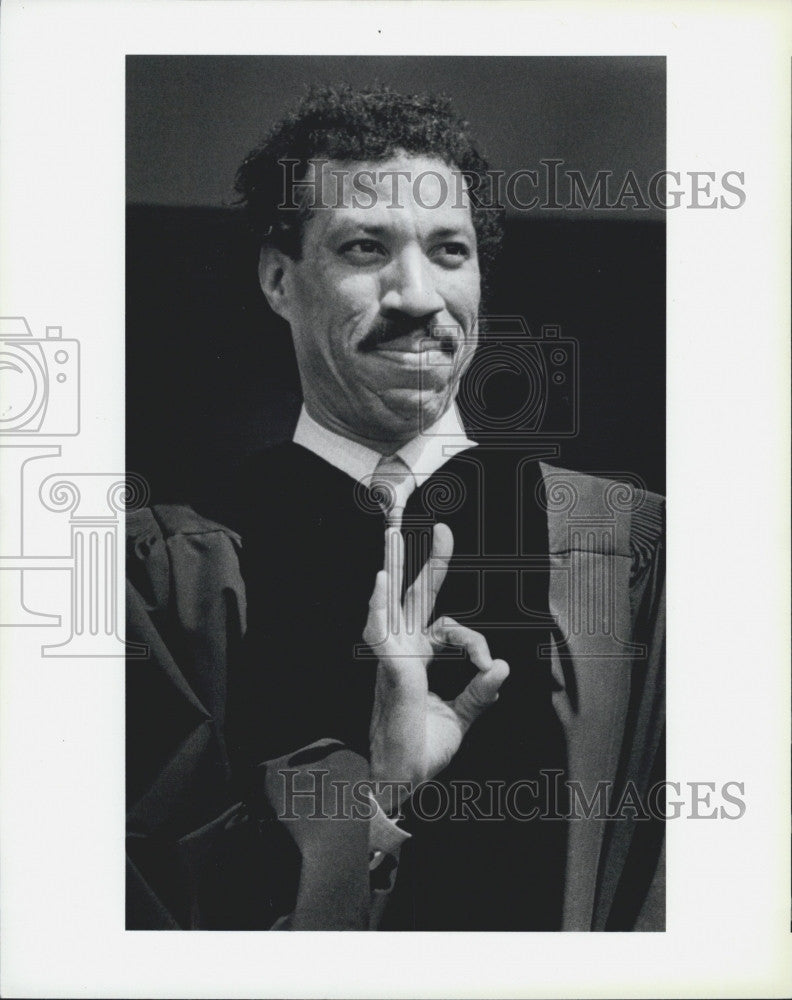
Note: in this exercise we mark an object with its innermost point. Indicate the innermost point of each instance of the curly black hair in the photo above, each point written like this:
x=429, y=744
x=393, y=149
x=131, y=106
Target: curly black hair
x=347, y=124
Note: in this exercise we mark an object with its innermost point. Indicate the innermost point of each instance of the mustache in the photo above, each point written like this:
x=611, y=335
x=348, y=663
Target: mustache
x=388, y=328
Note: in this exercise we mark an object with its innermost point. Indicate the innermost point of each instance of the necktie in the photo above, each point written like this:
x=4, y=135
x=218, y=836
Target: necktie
x=391, y=485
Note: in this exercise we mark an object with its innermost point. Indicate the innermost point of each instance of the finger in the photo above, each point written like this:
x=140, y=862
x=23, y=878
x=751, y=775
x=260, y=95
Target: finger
x=422, y=595
x=377, y=601
x=416, y=555
x=394, y=553
x=375, y=630
x=480, y=693
x=447, y=632
x=440, y=557
x=394, y=568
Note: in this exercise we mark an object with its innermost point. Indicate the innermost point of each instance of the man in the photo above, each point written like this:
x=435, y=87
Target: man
x=375, y=241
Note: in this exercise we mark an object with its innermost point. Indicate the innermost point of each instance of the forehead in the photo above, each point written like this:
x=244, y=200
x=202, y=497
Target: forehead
x=402, y=191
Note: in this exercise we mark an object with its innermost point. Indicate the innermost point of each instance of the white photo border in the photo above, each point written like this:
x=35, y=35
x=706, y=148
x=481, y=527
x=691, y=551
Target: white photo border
x=62, y=99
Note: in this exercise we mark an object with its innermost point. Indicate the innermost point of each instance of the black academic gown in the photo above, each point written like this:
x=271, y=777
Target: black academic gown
x=311, y=552
x=217, y=696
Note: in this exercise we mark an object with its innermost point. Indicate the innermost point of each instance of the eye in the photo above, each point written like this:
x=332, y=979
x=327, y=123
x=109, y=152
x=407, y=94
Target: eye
x=452, y=254
x=363, y=251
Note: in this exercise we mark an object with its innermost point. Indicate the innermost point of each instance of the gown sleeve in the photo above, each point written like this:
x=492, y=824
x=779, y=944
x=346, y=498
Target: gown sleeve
x=207, y=849
x=631, y=893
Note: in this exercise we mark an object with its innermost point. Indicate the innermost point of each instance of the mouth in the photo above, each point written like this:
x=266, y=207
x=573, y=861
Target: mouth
x=426, y=355
x=414, y=346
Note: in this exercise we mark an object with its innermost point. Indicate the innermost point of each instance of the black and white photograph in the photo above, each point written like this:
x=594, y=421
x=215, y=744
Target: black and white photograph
x=394, y=444
x=473, y=740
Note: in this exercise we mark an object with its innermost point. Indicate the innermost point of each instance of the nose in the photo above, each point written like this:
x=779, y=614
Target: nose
x=411, y=288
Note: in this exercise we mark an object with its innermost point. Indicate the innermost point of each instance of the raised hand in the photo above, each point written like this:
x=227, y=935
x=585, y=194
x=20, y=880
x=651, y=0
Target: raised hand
x=414, y=734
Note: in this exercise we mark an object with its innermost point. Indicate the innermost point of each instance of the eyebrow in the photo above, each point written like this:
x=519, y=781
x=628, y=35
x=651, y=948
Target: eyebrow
x=448, y=231
x=349, y=227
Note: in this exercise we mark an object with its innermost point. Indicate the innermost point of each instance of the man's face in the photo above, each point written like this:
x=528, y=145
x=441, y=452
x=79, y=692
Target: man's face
x=383, y=303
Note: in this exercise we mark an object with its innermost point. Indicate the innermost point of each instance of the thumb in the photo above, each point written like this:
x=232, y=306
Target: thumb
x=480, y=693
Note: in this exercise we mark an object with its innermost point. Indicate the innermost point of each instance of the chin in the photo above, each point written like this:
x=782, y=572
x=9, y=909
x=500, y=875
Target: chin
x=410, y=416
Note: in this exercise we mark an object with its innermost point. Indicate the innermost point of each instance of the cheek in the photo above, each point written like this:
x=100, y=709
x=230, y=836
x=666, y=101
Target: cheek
x=463, y=293
x=310, y=295
x=352, y=303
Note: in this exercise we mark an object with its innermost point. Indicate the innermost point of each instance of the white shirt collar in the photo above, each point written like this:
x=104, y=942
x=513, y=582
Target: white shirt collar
x=424, y=455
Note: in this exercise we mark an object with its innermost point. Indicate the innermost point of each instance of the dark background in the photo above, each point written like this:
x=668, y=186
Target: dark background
x=211, y=375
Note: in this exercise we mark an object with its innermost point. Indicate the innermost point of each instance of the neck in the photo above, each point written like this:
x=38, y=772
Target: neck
x=385, y=445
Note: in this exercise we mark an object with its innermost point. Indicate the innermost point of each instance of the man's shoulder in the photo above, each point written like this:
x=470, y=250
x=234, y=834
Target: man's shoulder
x=179, y=561
x=575, y=499
x=168, y=520
x=621, y=489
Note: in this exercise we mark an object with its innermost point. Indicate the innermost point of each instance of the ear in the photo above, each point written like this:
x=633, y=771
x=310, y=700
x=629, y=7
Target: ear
x=273, y=268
